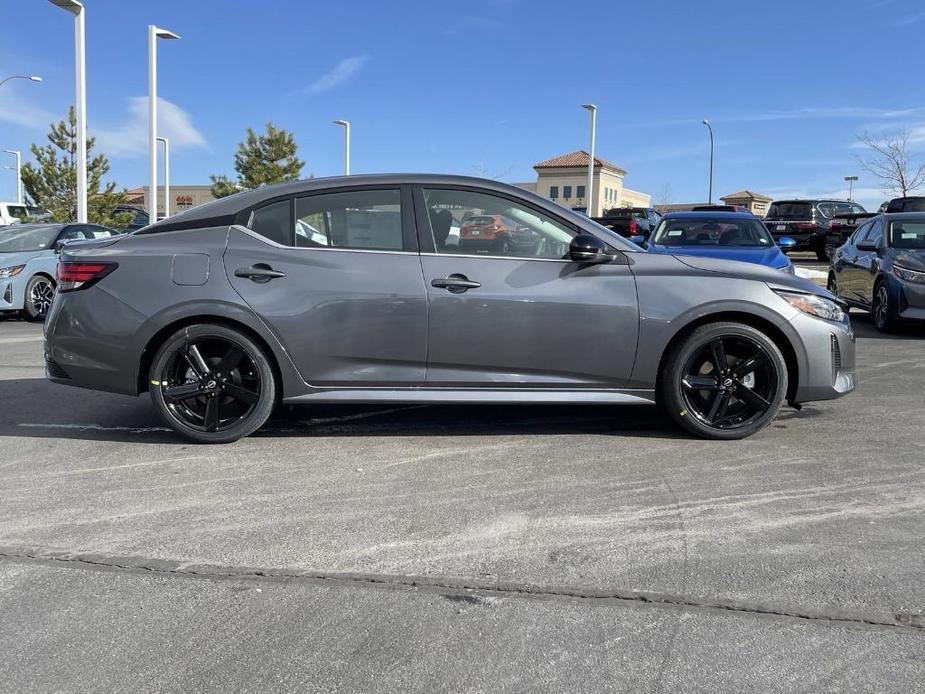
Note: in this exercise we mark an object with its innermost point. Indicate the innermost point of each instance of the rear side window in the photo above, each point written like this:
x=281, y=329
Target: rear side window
x=274, y=222
x=361, y=220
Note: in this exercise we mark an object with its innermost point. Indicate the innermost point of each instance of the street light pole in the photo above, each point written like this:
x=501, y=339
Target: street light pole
x=31, y=78
x=710, y=128
x=77, y=9
x=589, y=191
x=166, y=175
x=346, y=124
x=18, y=156
x=154, y=33
x=851, y=180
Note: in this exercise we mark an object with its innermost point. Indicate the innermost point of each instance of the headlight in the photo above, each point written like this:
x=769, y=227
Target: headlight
x=7, y=272
x=898, y=270
x=814, y=305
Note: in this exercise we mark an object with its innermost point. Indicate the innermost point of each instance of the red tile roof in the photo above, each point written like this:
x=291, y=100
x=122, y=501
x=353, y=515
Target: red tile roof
x=577, y=158
x=745, y=194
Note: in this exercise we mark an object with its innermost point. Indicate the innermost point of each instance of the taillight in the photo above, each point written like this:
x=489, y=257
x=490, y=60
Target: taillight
x=805, y=226
x=74, y=275
x=633, y=226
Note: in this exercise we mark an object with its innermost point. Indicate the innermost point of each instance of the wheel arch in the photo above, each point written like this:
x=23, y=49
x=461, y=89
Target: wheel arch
x=164, y=333
x=774, y=333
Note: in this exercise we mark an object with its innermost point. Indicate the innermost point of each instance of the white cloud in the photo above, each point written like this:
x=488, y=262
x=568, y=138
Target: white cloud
x=18, y=110
x=337, y=75
x=130, y=139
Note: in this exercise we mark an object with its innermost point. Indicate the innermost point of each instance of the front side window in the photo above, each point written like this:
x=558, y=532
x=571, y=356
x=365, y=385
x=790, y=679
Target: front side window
x=359, y=220
x=876, y=232
x=859, y=232
x=273, y=221
x=473, y=223
x=907, y=234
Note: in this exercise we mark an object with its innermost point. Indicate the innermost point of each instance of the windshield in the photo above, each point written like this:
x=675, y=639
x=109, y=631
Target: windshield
x=907, y=234
x=712, y=232
x=791, y=210
x=21, y=237
x=907, y=205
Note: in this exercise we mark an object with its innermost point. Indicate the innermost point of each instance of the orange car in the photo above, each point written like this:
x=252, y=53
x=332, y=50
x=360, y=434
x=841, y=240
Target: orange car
x=483, y=228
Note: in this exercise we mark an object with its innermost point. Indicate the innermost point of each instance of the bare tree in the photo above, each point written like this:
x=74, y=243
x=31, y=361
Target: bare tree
x=663, y=198
x=889, y=161
x=482, y=171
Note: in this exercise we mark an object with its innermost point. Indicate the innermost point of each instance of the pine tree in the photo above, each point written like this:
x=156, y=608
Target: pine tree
x=261, y=159
x=51, y=183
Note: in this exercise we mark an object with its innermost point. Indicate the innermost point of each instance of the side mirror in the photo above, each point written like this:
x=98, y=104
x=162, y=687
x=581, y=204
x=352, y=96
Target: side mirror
x=639, y=240
x=585, y=248
x=57, y=246
x=786, y=242
x=868, y=246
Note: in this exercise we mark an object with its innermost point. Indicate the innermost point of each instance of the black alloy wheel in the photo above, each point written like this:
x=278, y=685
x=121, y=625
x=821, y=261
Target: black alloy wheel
x=40, y=292
x=881, y=309
x=725, y=381
x=212, y=384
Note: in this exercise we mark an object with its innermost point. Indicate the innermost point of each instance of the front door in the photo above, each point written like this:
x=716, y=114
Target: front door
x=337, y=277
x=506, y=308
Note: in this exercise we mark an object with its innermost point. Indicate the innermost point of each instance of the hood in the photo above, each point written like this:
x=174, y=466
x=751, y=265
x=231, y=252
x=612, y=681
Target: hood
x=19, y=258
x=771, y=256
x=913, y=259
x=753, y=271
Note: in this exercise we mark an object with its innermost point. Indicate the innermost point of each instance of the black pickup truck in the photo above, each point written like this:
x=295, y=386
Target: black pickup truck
x=841, y=227
x=807, y=221
x=630, y=221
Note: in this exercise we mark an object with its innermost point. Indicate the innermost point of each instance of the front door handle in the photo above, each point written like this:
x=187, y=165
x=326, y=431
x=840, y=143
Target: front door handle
x=456, y=283
x=259, y=273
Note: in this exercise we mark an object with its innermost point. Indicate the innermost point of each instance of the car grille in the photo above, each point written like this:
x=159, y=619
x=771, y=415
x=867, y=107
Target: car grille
x=836, y=356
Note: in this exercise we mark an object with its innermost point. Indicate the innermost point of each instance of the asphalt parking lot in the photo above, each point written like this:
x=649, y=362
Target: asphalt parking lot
x=463, y=548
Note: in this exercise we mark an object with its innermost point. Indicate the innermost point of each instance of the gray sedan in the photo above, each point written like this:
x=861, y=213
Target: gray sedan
x=353, y=289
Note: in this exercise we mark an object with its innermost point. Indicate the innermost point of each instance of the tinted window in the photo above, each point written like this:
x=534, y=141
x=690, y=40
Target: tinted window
x=906, y=205
x=363, y=220
x=827, y=208
x=516, y=230
x=859, y=232
x=875, y=233
x=273, y=222
x=791, y=210
x=907, y=234
x=18, y=211
x=716, y=232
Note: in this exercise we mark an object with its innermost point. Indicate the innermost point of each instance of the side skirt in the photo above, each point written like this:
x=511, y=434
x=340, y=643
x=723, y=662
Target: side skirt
x=436, y=396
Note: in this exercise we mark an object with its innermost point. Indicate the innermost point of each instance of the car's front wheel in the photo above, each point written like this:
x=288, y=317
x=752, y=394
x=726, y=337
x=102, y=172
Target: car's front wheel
x=724, y=381
x=882, y=309
x=40, y=291
x=212, y=384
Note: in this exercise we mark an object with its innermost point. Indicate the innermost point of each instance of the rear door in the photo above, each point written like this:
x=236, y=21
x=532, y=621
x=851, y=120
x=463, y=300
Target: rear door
x=522, y=315
x=336, y=275
x=868, y=262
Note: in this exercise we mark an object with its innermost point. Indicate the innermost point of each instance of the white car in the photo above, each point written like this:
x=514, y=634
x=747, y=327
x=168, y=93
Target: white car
x=14, y=212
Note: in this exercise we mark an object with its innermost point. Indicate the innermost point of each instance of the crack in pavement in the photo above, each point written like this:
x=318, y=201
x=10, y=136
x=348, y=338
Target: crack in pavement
x=457, y=586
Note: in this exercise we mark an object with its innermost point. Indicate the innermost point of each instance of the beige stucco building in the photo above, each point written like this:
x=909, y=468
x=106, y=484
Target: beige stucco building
x=565, y=178
x=181, y=197
x=756, y=203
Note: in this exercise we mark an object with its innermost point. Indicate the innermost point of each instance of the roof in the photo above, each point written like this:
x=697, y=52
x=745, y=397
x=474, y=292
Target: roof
x=575, y=159
x=747, y=194
x=223, y=211
x=710, y=215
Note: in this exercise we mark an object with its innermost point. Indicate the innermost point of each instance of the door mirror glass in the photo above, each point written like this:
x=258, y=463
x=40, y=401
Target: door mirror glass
x=786, y=242
x=585, y=248
x=868, y=246
x=639, y=240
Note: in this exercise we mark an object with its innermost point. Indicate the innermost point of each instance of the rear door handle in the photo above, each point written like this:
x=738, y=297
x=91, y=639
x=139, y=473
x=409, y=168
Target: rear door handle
x=457, y=284
x=258, y=273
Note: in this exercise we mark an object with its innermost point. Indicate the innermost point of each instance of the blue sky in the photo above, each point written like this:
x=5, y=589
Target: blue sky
x=487, y=86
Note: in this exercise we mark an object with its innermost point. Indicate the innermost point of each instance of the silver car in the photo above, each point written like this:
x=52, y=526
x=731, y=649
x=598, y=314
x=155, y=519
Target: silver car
x=351, y=290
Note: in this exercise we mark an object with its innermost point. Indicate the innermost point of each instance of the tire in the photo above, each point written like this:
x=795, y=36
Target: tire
x=732, y=404
x=882, y=310
x=832, y=283
x=822, y=253
x=212, y=384
x=40, y=290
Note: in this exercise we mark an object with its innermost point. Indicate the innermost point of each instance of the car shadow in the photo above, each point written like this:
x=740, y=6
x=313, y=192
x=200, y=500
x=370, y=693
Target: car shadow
x=48, y=410
x=864, y=328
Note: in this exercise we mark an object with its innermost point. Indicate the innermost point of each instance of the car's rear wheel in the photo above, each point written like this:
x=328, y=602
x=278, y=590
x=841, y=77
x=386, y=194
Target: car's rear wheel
x=724, y=381
x=40, y=291
x=882, y=310
x=212, y=384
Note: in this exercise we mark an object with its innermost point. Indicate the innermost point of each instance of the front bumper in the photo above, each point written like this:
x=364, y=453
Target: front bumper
x=910, y=300
x=828, y=370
